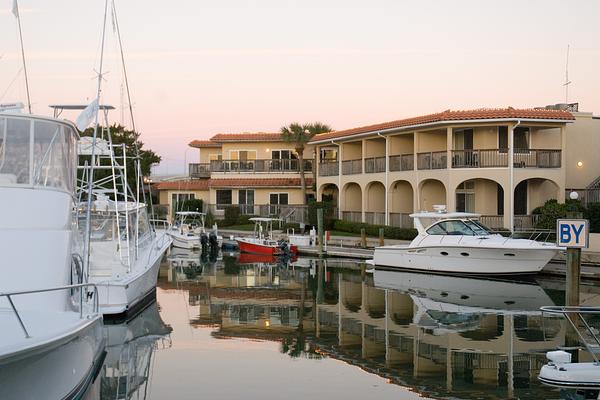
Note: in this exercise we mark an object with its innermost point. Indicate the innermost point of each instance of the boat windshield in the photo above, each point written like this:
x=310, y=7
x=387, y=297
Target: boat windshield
x=478, y=227
x=457, y=227
x=37, y=153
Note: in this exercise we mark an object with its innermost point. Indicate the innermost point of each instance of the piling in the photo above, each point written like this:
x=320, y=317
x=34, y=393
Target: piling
x=381, y=238
x=572, y=341
x=320, y=230
x=363, y=238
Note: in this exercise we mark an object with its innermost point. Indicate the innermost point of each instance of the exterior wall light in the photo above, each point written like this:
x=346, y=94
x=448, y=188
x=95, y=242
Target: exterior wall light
x=579, y=164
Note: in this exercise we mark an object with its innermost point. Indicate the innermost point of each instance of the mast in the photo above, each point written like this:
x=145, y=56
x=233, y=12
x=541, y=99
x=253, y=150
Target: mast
x=567, y=81
x=15, y=11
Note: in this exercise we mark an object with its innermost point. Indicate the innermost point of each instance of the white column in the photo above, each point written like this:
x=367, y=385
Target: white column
x=511, y=178
x=449, y=146
x=340, y=197
x=387, y=171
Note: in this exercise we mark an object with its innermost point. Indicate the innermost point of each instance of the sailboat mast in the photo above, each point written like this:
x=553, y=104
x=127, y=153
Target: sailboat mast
x=16, y=13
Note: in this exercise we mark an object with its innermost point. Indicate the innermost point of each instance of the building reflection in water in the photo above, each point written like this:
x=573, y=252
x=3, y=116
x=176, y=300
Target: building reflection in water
x=439, y=336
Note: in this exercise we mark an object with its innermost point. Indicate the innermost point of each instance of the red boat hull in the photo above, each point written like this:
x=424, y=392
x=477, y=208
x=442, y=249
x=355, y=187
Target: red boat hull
x=255, y=248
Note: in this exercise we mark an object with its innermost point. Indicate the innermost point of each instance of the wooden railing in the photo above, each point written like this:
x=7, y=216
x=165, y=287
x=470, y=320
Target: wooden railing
x=402, y=162
x=480, y=158
x=329, y=168
x=401, y=220
x=375, y=218
x=352, y=216
x=432, y=160
x=537, y=158
x=374, y=164
x=350, y=167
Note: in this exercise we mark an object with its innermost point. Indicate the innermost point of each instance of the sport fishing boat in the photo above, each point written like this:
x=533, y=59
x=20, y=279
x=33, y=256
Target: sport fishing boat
x=125, y=251
x=52, y=343
x=458, y=243
x=188, y=231
x=560, y=371
x=263, y=243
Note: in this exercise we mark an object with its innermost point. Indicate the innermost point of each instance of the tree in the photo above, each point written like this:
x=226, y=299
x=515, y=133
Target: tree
x=299, y=135
x=122, y=135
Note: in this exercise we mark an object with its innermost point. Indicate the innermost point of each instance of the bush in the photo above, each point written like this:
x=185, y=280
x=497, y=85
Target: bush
x=593, y=214
x=231, y=216
x=209, y=219
x=244, y=219
x=553, y=210
x=191, y=205
x=390, y=232
x=328, y=217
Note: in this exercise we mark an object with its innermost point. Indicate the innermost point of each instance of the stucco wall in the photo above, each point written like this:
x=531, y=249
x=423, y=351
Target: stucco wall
x=261, y=195
x=375, y=197
x=401, y=144
x=375, y=148
x=432, y=141
x=352, y=198
x=432, y=192
x=583, y=144
x=351, y=151
x=401, y=197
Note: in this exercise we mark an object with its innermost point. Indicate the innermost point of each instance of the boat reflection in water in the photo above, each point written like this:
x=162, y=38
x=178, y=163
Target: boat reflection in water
x=438, y=336
x=130, y=349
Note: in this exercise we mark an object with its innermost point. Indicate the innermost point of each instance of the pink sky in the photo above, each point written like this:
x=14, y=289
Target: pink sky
x=200, y=68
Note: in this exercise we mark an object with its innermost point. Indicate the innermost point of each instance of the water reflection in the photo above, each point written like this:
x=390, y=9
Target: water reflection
x=438, y=336
x=130, y=347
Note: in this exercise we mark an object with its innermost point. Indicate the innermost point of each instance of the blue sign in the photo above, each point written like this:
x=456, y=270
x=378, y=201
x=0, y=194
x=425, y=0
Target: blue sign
x=572, y=233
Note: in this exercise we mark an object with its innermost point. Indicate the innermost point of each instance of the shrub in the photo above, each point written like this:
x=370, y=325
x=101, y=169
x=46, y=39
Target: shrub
x=192, y=205
x=231, y=216
x=244, y=219
x=390, y=232
x=328, y=216
x=553, y=210
x=209, y=219
x=593, y=214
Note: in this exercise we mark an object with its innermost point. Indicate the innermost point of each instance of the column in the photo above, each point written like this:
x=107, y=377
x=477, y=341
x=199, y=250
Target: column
x=387, y=171
x=511, y=179
x=341, y=202
x=416, y=188
x=449, y=146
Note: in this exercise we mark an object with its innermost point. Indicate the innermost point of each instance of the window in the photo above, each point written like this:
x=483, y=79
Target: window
x=465, y=196
x=463, y=139
x=246, y=201
x=242, y=155
x=451, y=227
x=223, y=199
x=215, y=157
x=276, y=200
x=521, y=139
x=328, y=154
x=503, y=139
x=283, y=160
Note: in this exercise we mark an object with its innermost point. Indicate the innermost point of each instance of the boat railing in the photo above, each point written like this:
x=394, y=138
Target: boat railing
x=587, y=333
x=160, y=223
x=88, y=295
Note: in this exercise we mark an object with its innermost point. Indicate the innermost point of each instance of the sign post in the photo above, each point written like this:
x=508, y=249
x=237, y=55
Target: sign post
x=573, y=233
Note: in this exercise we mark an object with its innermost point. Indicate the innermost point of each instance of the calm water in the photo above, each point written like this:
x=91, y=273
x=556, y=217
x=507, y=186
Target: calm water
x=247, y=328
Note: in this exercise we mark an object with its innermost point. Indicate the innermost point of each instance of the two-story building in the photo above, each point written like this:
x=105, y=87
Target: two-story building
x=501, y=163
x=259, y=172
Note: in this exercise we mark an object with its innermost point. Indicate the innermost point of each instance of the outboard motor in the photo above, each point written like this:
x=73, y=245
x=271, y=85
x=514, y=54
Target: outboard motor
x=213, y=241
x=204, y=242
x=283, y=246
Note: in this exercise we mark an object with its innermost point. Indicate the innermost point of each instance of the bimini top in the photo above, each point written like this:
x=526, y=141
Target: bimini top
x=264, y=219
x=189, y=213
x=444, y=215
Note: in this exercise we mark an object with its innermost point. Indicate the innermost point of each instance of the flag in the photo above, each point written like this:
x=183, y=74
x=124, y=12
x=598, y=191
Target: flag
x=15, y=9
x=87, y=115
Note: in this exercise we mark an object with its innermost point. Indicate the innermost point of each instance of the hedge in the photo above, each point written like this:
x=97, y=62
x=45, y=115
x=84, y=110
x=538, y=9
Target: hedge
x=390, y=232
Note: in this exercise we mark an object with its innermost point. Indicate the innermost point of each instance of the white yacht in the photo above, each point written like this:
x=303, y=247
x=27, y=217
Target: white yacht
x=188, y=232
x=125, y=250
x=457, y=243
x=52, y=342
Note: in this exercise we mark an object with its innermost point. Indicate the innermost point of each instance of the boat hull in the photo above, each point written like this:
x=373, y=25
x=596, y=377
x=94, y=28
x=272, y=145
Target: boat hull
x=464, y=260
x=185, y=242
x=571, y=375
x=257, y=248
x=61, y=369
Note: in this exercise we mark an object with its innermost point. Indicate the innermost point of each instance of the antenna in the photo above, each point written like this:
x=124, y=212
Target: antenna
x=567, y=81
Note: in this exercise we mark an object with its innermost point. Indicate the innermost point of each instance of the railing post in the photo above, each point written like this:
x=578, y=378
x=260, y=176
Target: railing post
x=18, y=316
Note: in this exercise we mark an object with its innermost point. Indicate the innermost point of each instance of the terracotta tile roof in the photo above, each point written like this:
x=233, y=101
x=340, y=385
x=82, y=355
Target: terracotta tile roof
x=203, y=143
x=247, y=137
x=449, y=115
x=258, y=182
x=193, y=184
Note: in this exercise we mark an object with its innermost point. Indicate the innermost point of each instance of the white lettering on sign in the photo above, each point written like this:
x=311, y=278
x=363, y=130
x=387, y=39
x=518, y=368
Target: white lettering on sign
x=572, y=233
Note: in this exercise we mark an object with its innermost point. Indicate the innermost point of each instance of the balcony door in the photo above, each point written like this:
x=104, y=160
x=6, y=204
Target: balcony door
x=246, y=201
x=282, y=159
x=463, y=140
x=276, y=200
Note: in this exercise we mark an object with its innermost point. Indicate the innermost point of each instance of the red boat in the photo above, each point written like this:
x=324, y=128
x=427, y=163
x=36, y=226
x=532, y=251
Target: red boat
x=261, y=244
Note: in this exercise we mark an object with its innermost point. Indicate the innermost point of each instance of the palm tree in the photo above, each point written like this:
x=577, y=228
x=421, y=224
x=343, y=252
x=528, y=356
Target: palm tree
x=299, y=135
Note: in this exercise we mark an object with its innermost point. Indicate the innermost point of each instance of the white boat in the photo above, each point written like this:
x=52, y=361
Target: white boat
x=125, y=251
x=52, y=342
x=457, y=243
x=560, y=371
x=188, y=232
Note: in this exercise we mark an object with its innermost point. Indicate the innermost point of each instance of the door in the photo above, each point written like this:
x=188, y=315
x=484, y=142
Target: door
x=246, y=201
x=275, y=201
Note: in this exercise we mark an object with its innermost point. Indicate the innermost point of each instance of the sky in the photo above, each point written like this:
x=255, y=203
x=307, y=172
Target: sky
x=197, y=68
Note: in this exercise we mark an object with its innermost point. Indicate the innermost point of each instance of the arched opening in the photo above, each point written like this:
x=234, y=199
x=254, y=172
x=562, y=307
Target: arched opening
x=482, y=196
x=432, y=192
x=400, y=204
x=352, y=202
x=529, y=194
x=329, y=193
x=375, y=204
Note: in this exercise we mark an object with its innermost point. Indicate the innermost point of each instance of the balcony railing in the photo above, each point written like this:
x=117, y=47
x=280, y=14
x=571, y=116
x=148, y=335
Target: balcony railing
x=352, y=216
x=537, y=158
x=199, y=170
x=350, y=167
x=375, y=218
x=480, y=158
x=401, y=220
x=402, y=162
x=492, y=221
x=268, y=165
x=287, y=212
x=432, y=160
x=374, y=164
x=329, y=168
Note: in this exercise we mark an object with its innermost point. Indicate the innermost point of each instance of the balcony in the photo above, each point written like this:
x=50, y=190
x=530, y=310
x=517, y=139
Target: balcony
x=402, y=162
x=537, y=158
x=374, y=164
x=329, y=168
x=350, y=167
x=432, y=160
x=199, y=170
x=498, y=158
x=264, y=166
